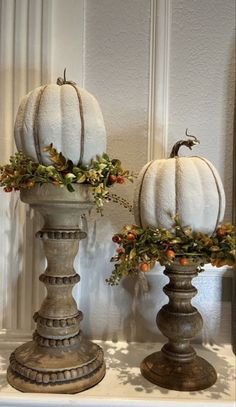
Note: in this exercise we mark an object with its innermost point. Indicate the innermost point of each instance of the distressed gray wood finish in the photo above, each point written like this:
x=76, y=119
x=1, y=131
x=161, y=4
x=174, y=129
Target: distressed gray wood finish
x=177, y=366
x=59, y=359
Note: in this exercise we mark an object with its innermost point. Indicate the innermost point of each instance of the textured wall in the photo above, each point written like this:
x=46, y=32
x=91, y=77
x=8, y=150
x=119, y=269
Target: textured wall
x=117, y=73
x=202, y=78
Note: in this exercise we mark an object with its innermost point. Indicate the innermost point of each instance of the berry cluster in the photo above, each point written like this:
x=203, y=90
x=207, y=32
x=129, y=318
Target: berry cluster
x=139, y=249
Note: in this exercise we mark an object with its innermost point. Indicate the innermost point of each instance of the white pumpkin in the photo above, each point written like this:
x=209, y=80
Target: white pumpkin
x=188, y=186
x=65, y=115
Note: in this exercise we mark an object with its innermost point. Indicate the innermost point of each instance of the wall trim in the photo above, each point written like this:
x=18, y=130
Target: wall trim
x=159, y=78
x=25, y=50
x=46, y=46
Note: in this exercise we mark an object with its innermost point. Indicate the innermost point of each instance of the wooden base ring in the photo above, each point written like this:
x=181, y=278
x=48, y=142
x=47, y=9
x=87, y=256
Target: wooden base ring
x=38, y=369
x=195, y=375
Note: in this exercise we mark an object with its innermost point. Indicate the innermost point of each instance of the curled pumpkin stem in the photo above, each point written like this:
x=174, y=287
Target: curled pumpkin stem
x=188, y=143
x=63, y=81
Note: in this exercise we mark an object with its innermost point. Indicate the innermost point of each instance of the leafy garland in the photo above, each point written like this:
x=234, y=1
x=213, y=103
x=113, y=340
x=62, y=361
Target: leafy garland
x=102, y=173
x=139, y=249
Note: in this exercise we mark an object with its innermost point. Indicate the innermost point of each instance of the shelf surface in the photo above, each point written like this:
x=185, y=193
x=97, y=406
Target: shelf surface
x=123, y=385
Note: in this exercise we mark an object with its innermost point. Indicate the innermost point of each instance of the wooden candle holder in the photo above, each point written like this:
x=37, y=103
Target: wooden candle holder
x=59, y=359
x=177, y=366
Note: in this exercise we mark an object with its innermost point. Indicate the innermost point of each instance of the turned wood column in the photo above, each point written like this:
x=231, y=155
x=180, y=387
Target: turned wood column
x=58, y=317
x=177, y=366
x=59, y=359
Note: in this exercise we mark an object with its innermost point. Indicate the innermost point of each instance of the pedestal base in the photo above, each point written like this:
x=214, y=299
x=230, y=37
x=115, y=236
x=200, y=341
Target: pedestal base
x=39, y=369
x=197, y=374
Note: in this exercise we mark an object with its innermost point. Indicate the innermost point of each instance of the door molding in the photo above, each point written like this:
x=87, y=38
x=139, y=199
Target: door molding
x=160, y=28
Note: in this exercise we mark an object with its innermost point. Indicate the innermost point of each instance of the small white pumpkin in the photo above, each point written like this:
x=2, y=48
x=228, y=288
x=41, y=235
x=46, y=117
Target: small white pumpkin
x=188, y=186
x=65, y=115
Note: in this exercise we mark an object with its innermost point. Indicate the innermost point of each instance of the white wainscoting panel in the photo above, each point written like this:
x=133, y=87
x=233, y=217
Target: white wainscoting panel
x=24, y=64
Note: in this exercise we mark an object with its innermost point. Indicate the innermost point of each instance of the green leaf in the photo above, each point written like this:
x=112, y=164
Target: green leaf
x=132, y=254
x=70, y=188
x=81, y=179
x=106, y=157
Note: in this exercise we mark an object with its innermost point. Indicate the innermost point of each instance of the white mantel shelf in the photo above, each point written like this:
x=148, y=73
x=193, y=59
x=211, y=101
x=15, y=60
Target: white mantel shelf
x=123, y=385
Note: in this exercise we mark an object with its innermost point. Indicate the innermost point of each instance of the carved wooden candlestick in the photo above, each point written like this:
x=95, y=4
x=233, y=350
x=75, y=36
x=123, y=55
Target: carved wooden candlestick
x=59, y=359
x=177, y=366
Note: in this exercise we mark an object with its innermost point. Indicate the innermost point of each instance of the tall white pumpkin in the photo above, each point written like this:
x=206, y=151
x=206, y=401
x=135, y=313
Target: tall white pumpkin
x=188, y=186
x=63, y=114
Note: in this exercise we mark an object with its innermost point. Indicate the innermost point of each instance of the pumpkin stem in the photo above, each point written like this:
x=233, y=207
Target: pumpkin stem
x=63, y=81
x=187, y=143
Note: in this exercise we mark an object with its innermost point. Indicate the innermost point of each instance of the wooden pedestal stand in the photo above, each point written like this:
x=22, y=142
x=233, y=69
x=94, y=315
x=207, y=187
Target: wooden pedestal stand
x=177, y=366
x=58, y=360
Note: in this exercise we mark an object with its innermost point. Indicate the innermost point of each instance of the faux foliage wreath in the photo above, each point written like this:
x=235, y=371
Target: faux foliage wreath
x=23, y=173
x=139, y=249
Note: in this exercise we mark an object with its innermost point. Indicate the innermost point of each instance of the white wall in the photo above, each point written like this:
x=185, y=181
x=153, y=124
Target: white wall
x=106, y=45
x=202, y=80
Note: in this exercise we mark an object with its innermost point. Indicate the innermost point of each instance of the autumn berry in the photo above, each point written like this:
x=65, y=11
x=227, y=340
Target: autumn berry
x=112, y=178
x=131, y=236
x=7, y=189
x=120, y=179
x=221, y=232
x=116, y=239
x=170, y=253
x=144, y=267
x=183, y=261
x=120, y=250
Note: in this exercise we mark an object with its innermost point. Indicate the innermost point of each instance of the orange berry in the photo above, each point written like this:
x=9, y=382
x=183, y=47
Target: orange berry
x=170, y=253
x=131, y=236
x=144, y=267
x=183, y=261
x=221, y=231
